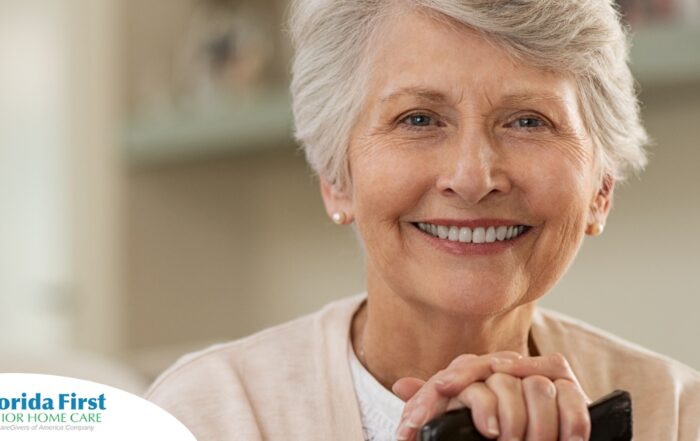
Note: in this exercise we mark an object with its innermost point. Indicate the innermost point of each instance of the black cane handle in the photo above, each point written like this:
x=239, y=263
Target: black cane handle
x=611, y=420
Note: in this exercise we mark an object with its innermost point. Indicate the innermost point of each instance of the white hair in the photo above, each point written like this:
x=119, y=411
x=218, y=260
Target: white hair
x=582, y=38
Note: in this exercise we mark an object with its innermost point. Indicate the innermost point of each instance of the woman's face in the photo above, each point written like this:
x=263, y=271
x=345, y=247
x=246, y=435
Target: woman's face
x=458, y=139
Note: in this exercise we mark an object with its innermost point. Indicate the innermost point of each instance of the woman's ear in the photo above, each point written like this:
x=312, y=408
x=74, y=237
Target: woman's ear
x=600, y=206
x=338, y=202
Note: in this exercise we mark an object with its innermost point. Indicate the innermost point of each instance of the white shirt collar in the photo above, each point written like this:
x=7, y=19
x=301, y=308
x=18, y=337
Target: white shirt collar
x=380, y=408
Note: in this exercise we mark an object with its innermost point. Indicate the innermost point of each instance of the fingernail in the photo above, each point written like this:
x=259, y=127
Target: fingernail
x=502, y=361
x=551, y=390
x=492, y=424
x=575, y=438
x=415, y=420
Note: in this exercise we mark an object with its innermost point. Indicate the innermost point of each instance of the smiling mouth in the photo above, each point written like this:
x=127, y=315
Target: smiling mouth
x=487, y=234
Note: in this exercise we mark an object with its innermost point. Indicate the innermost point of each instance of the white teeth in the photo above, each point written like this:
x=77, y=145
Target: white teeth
x=477, y=235
x=465, y=234
x=501, y=232
x=491, y=235
x=453, y=235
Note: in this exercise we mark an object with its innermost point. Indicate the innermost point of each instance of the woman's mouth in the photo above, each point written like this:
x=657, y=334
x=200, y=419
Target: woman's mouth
x=477, y=235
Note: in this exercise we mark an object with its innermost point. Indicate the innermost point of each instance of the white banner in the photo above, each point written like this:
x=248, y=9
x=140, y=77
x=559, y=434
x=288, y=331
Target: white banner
x=48, y=407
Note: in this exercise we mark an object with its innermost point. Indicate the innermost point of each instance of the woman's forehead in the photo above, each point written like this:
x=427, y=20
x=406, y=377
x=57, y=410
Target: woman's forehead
x=419, y=57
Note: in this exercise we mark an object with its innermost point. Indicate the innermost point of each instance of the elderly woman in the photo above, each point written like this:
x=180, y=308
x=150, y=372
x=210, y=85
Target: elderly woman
x=473, y=144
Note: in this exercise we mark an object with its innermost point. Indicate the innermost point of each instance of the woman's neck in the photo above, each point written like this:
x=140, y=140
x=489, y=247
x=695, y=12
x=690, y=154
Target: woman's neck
x=394, y=339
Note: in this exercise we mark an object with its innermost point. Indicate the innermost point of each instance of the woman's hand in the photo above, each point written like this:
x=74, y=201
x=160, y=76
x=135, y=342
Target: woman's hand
x=511, y=397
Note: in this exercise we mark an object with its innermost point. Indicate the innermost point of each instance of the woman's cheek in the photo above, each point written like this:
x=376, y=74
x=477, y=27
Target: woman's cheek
x=392, y=170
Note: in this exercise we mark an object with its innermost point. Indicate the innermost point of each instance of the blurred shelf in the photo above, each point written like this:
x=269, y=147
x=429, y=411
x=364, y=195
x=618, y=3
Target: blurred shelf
x=666, y=55
x=248, y=124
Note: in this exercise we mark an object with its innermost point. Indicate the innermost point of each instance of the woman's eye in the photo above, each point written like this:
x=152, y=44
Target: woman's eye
x=418, y=120
x=529, y=123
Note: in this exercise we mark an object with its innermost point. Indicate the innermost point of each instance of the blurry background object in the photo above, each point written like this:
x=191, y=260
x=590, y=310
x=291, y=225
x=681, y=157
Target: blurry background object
x=153, y=200
x=638, y=12
x=226, y=52
x=645, y=12
x=666, y=40
x=205, y=77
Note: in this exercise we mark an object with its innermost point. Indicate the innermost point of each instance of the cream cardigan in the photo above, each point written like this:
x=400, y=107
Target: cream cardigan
x=293, y=381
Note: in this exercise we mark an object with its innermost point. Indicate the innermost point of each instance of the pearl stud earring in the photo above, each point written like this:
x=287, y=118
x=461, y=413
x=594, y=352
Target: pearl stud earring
x=596, y=229
x=339, y=217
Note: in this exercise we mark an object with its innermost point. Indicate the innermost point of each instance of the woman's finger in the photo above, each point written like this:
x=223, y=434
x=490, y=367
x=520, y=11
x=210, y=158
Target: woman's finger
x=512, y=410
x=416, y=414
x=484, y=406
x=574, y=419
x=420, y=408
x=553, y=366
x=406, y=387
x=467, y=369
x=542, y=411
x=432, y=399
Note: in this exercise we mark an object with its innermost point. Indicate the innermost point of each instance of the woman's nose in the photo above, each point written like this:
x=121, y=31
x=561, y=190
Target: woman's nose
x=474, y=170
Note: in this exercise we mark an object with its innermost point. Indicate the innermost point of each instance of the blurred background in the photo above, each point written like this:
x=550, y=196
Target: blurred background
x=153, y=201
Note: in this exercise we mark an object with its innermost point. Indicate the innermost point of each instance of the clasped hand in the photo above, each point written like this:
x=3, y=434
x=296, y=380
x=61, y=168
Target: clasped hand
x=511, y=397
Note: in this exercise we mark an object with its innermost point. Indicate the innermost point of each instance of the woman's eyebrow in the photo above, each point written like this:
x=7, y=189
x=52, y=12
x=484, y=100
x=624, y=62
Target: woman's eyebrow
x=419, y=92
x=529, y=97
x=437, y=96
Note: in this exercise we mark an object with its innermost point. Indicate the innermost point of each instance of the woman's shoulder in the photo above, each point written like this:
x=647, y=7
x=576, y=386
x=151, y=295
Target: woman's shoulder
x=263, y=385
x=665, y=392
x=562, y=332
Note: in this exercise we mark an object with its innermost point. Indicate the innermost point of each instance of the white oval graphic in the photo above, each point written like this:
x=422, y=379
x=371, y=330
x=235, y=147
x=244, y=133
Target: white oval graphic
x=48, y=407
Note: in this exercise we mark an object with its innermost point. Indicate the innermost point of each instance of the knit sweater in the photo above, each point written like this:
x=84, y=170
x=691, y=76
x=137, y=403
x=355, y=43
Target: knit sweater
x=293, y=381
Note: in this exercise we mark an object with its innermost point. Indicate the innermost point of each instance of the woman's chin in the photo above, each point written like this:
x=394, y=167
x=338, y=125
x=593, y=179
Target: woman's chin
x=472, y=303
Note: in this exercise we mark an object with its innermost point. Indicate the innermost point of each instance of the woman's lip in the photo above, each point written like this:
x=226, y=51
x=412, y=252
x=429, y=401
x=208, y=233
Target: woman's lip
x=472, y=223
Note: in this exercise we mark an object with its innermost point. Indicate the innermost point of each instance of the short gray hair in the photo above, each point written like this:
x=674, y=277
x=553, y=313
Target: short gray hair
x=583, y=38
